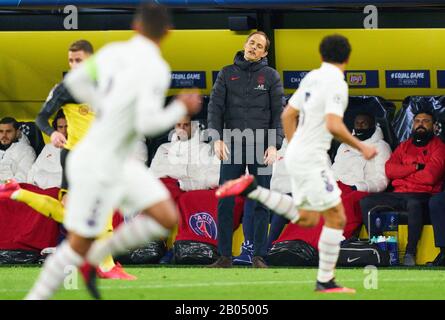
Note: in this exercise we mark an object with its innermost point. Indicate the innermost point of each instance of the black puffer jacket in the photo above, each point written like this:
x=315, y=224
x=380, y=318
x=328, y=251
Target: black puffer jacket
x=247, y=95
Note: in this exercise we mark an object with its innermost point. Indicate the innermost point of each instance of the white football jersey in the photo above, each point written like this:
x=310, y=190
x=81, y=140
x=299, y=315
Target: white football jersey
x=322, y=91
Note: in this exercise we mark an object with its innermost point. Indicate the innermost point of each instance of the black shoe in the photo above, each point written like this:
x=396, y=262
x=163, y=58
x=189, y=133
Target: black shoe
x=258, y=262
x=331, y=287
x=438, y=262
x=222, y=262
x=89, y=276
x=409, y=260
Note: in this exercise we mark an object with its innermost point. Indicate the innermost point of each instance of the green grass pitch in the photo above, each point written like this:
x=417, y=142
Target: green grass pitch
x=197, y=283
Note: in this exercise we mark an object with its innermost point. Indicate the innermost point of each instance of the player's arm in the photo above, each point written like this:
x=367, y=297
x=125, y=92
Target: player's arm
x=335, y=105
x=289, y=119
x=335, y=125
x=58, y=97
x=151, y=117
x=155, y=120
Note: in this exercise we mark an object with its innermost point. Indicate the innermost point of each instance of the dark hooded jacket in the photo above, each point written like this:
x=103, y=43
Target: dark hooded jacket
x=247, y=95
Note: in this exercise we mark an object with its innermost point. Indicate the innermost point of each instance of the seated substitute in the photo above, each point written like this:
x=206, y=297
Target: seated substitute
x=16, y=154
x=352, y=169
x=416, y=170
x=187, y=159
x=46, y=172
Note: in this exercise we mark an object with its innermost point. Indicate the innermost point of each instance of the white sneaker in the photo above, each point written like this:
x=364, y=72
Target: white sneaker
x=48, y=251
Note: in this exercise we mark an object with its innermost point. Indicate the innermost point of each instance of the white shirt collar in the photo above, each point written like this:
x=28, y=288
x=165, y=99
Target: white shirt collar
x=331, y=68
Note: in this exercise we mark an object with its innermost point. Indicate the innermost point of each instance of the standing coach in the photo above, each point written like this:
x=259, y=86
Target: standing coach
x=244, y=113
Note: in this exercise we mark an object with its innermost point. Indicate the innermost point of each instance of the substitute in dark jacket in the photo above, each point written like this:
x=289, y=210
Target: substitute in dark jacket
x=248, y=96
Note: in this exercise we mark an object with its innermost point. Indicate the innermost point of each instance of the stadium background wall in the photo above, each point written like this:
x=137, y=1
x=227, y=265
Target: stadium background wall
x=33, y=62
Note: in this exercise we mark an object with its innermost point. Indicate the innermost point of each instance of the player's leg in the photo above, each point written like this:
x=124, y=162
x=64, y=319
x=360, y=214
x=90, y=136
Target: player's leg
x=143, y=193
x=315, y=187
x=54, y=209
x=152, y=224
x=86, y=218
x=46, y=205
x=319, y=194
x=329, y=249
x=280, y=203
x=108, y=269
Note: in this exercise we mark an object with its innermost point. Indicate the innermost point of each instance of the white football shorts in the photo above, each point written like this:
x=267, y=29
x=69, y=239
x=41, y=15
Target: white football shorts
x=91, y=201
x=315, y=190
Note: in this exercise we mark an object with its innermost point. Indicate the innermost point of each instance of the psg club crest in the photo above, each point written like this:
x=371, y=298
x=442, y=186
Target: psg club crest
x=203, y=225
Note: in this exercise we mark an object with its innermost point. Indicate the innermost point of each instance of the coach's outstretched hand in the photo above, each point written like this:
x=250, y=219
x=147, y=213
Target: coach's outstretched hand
x=192, y=101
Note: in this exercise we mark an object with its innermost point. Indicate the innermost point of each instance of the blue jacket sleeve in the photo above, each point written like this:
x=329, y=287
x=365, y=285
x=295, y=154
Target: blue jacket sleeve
x=276, y=105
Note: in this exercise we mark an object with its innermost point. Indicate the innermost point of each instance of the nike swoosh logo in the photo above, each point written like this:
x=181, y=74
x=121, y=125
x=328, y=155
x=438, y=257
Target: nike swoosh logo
x=352, y=260
x=234, y=78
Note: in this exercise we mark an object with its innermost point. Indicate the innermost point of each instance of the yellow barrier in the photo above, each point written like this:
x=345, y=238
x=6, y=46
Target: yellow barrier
x=377, y=49
x=29, y=74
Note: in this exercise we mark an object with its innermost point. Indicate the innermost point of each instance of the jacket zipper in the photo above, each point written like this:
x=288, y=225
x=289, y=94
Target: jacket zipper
x=249, y=77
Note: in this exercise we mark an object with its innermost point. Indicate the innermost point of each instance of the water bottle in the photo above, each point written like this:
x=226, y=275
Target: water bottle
x=393, y=251
x=381, y=243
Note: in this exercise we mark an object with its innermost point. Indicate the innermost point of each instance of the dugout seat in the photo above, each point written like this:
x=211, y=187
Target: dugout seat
x=412, y=104
x=33, y=134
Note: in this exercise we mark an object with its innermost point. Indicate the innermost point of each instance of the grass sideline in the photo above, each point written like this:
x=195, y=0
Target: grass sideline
x=197, y=283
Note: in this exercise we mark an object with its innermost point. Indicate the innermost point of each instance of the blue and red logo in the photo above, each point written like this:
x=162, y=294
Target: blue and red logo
x=203, y=225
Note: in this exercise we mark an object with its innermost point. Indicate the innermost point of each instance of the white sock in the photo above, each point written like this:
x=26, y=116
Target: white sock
x=280, y=203
x=53, y=272
x=136, y=233
x=328, y=250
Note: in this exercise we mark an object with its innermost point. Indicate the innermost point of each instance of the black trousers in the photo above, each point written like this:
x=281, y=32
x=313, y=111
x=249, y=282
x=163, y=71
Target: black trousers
x=232, y=169
x=415, y=204
x=437, y=215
